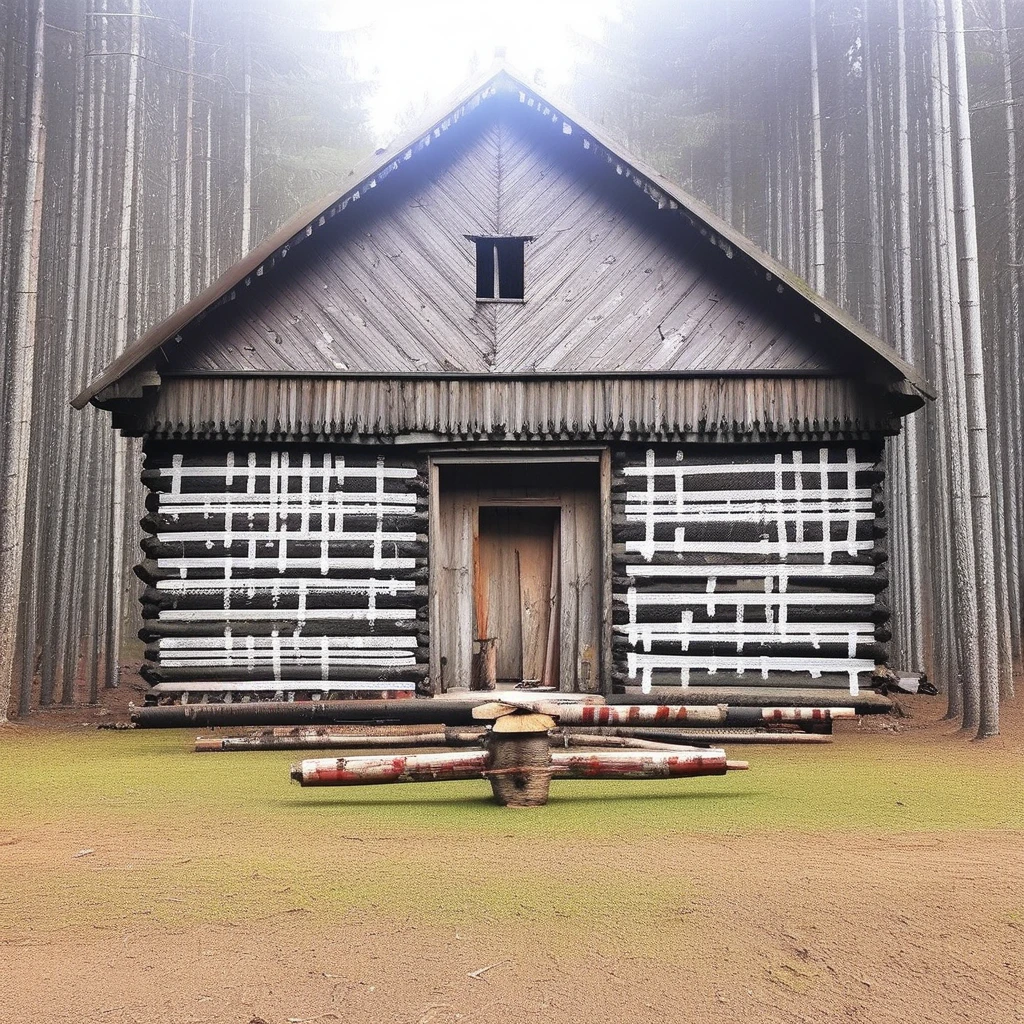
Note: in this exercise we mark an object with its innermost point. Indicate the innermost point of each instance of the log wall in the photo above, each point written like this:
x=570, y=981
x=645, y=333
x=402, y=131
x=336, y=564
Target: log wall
x=753, y=565
x=283, y=570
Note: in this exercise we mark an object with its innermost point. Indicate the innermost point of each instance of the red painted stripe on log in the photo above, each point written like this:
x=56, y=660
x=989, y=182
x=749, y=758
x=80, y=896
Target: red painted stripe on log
x=632, y=714
x=376, y=769
x=636, y=765
x=802, y=714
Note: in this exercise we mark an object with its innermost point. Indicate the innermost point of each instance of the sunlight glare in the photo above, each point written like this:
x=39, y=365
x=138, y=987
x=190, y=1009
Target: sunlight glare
x=419, y=52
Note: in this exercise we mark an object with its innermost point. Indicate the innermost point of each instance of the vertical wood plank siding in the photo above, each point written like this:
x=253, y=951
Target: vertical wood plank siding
x=748, y=566
x=293, y=571
x=681, y=408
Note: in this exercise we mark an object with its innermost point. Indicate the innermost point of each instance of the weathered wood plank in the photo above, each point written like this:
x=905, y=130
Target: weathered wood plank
x=393, y=284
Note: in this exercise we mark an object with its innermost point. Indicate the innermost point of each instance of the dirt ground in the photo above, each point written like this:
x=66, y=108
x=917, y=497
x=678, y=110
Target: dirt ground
x=878, y=879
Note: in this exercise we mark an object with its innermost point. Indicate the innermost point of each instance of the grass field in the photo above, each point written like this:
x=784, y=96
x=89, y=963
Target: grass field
x=642, y=875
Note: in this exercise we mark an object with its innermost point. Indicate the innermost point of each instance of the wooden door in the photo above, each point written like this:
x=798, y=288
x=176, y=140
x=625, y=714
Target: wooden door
x=516, y=553
x=516, y=590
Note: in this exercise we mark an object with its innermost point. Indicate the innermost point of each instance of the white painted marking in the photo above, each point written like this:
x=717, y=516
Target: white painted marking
x=292, y=502
x=749, y=600
x=798, y=497
x=743, y=571
x=286, y=585
x=283, y=615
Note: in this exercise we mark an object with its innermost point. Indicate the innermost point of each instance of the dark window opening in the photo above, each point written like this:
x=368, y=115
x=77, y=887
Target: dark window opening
x=500, y=269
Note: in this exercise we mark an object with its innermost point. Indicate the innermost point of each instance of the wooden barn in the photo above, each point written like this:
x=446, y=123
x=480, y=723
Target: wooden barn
x=510, y=408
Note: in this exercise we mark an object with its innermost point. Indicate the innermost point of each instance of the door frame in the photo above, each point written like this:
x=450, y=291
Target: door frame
x=597, y=455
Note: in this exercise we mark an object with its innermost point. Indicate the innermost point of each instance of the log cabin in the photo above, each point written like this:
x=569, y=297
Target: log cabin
x=509, y=408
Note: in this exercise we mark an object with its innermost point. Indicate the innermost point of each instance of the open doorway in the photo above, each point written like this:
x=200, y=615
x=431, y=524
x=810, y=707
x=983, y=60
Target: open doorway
x=516, y=575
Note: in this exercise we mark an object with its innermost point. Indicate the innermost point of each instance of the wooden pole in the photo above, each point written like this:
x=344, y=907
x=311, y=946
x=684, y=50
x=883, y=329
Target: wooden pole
x=657, y=714
x=447, y=767
x=712, y=737
x=319, y=740
x=377, y=769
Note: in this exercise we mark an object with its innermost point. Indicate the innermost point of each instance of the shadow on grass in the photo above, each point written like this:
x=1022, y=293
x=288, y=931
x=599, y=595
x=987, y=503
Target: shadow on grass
x=488, y=801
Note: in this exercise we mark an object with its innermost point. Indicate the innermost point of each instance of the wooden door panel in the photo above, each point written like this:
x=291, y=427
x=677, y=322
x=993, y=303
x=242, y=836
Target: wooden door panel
x=514, y=583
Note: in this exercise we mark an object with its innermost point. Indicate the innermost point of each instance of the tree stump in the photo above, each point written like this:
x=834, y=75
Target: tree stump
x=518, y=754
x=519, y=768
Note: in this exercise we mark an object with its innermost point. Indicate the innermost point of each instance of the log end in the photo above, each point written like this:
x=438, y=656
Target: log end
x=521, y=723
x=492, y=711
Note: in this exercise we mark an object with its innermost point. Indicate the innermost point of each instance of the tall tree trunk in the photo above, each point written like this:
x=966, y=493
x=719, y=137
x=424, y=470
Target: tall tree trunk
x=962, y=539
x=246, y=244
x=70, y=441
x=187, y=191
x=118, y=483
x=875, y=297
x=17, y=439
x=979, y=454
x=913, y=629
x=1014, y=388
x=817, y=276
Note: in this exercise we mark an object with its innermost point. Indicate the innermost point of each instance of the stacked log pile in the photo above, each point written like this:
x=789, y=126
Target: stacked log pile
x=517, y=759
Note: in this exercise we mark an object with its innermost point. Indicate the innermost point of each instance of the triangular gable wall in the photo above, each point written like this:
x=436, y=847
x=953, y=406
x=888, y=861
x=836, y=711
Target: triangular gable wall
x=613, y=285
x=832, y=330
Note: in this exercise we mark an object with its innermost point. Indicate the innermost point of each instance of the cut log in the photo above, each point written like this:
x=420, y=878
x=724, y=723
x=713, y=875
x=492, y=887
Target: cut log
x=493, y=710
x=422, y=711
x=866, y=702
x=384, y=768
x=523, y=722
x=715, y=737
x=340, y=741
x=530, y=696
x=636, y=765
x=639, y=714
x=590, y=739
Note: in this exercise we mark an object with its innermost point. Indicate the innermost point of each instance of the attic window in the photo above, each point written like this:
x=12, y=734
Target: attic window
x=500, y=270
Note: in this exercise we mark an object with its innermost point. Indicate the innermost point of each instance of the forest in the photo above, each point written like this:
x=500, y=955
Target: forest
x=871, y=146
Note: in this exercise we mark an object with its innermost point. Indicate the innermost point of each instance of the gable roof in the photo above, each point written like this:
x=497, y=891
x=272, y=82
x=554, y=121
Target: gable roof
x=374, y=172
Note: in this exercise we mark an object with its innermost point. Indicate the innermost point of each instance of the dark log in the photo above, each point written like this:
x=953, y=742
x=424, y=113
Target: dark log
x=337, y=547
x=413, y=711
x=290, y=676
x=154, y=600
x=622, y=556
x=154, y=629
x=667, y=680
x=831, y=648
x=866, y=702
x=646, y=585
x=638, y=714
x=150, y=572
x=653, y=614
x=164, y=522
x=420, y=652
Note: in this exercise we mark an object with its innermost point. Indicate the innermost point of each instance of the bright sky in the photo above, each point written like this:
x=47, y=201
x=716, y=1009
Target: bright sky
x=423, y=49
